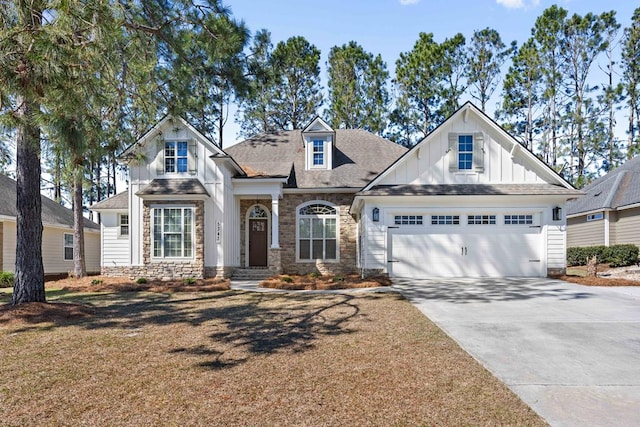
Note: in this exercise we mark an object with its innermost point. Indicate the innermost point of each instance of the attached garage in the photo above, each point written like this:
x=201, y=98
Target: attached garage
x=493, y=246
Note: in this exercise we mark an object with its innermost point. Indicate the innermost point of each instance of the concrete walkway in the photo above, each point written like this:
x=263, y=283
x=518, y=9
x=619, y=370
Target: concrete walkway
x=570, y=352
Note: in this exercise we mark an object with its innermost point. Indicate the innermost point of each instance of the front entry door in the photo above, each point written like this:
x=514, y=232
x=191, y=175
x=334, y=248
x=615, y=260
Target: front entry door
x=257, y=242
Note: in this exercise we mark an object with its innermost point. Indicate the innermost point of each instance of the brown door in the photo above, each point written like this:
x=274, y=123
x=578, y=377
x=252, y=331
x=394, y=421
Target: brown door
x=257, y=243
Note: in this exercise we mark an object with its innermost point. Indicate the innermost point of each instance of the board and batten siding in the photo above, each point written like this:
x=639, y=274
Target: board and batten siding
x=374, y=242
x=626, y=227
x=581, y=232
x=115, y=248
x=556, y=247
x=430, y=163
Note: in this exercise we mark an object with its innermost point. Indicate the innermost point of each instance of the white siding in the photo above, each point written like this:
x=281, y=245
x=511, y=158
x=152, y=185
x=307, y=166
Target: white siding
x=115, y=248
x=9, y=246
x=375, y=242
x=556, y=247
x=430, y=163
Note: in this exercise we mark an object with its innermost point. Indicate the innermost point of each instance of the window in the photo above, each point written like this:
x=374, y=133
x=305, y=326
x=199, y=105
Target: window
x=595, y=217
x=481, y=219
x=123, y=225
x=465, y=152
x=68, y=247
x=318, y=153
x=408, y=219
x=317, y=232
x=175, y=156
x=445, y=219
x=172, y=232
x=518, y=219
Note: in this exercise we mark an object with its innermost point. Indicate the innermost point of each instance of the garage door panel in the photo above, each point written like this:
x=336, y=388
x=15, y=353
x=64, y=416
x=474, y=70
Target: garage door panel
x=493, y=252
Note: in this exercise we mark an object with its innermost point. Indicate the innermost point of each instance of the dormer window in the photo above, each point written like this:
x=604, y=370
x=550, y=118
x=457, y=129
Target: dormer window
x=318, y=138
x=318, y=152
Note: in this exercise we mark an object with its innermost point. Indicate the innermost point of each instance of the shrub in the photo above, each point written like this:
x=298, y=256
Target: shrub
x=141, y=280
x=616, y=255
x=96, y=282
x=6, y=279
x=338, y=279
x=621, y=255
x=286, y=279
x=189, y=281
x=313, y=275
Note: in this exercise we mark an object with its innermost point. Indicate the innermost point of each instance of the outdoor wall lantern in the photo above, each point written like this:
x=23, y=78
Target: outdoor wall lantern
x=557, y=213
x=375, y=215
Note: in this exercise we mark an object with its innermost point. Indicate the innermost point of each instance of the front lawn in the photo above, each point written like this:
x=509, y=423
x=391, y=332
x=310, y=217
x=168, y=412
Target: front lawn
x=232, y=358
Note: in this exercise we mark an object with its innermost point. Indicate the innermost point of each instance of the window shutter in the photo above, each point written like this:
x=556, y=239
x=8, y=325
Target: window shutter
x=192, y=157
x=160, y=157
x=453, y=152
x=478, y=152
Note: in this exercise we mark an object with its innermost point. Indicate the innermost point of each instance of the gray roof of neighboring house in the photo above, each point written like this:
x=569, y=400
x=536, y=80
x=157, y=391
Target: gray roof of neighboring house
x=358, y=157
x=118, y=201
x=469, y=190
x=165, y=187
x=618, y=188
x=52, y=213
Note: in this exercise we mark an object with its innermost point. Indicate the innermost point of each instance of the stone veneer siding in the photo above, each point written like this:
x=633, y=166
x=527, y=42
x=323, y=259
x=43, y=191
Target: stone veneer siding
x=348, y=236
x=174, y=269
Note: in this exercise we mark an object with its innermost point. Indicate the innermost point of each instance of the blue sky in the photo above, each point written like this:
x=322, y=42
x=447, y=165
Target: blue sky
x=389, y=27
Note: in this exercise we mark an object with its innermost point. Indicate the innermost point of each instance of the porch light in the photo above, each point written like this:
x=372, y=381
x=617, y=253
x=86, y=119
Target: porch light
x=375, y=216
x=557, y=213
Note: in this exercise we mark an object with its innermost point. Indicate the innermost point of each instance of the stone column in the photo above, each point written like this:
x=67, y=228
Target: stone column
x=275, y=233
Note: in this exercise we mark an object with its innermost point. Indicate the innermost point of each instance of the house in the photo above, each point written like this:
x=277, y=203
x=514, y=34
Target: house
x=467, y=200
x=57, y=234
x=609, y=213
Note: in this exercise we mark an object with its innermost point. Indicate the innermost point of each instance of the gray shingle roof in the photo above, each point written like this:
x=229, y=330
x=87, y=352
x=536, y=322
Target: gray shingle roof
x=118, y=201
x=618, y=188
x=469, y=190
x=166, y=187
x=358, y=157
x=52, y=213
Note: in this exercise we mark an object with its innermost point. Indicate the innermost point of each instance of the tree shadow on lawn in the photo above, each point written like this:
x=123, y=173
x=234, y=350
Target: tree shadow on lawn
x=241, y=324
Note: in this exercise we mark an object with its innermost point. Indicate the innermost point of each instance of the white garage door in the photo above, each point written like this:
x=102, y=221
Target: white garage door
x=495, y=251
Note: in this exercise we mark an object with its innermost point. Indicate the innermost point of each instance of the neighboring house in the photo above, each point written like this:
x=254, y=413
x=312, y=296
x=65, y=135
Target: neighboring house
x=609, y=213
x=57, y=234
x=468, y=200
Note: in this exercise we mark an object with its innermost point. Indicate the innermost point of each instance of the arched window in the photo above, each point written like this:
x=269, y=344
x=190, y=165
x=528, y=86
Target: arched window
x=317, y=234
x=258, y=212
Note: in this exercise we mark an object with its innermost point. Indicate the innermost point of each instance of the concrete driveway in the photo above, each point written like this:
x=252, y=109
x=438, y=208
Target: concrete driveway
x=570, y=352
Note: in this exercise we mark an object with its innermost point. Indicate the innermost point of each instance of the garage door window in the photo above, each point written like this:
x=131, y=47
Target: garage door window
x=445, y=219
x=317, y=236
x=481, y=219
x=408, y=220
x=518, y=219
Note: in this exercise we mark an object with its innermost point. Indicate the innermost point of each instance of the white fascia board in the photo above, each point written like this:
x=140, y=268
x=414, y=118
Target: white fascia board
x=50, y=225
x=621, y=208
x=465, y=201
x=318, y=119
x=319, y=190
x=258, y=186
x=592, y=211
x=172, y=197
x=110, y=210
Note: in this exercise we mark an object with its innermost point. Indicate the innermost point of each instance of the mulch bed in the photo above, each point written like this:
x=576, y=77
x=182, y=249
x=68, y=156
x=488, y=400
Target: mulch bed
x=312, y=282
x=598, y=281
x=123, y=284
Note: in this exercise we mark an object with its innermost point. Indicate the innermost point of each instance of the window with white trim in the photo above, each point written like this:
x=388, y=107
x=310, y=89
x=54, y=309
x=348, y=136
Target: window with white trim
x=123, y=225
x=408, y=220
x=67, y=246
x=445, y=219
x=465, y=152
x=175, y=156
x=595, y=217
x=481, y=219
x=172, y=232
x=317, y=227
x=518, y=219
x=318, y=152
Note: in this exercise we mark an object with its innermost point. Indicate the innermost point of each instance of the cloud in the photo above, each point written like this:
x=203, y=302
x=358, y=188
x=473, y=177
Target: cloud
x=407, y=2
x=518, y=4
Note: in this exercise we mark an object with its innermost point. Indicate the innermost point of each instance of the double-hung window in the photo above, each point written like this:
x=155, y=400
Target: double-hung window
x=68, y=246
x=173, y=232
x=123, y=225
x=317, y=232
x=318, y=152
x=465, y=152
x=175, y=156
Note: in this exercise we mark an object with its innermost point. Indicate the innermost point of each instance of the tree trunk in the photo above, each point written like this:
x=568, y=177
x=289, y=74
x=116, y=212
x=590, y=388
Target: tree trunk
x=29, y=276
x=79, y=266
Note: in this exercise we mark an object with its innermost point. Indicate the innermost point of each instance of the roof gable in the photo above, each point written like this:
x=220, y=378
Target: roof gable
x=317, y=125
x=503, y=159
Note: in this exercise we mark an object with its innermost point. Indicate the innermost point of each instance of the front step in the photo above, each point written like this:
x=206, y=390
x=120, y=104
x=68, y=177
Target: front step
x=251, y=274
